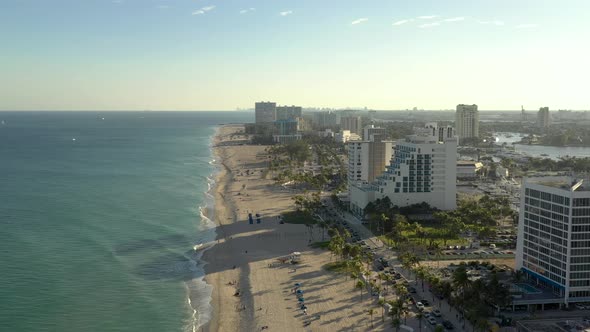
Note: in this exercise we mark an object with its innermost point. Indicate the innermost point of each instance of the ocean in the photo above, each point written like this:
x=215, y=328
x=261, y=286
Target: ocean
x=99, y=212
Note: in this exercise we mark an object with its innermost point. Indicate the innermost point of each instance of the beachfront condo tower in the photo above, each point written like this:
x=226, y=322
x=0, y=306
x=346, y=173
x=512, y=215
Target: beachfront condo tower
x=467, y=121
x=367, y=159
x=265, y=112
x=543, y=118
x=423, y=168
x=352, y=123
x=553, y=246
x=288, y=112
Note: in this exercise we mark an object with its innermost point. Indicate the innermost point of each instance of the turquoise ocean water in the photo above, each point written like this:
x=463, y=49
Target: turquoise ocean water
x=98, y=218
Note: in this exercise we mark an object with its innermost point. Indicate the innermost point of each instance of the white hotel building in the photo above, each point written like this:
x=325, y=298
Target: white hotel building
x=423, y=168
x=367, y=159
x=553, y=246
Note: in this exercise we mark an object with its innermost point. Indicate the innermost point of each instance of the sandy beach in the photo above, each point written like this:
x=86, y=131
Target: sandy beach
x=252, y=290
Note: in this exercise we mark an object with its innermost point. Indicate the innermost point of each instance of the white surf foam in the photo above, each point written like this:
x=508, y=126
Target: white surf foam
x=199, y=292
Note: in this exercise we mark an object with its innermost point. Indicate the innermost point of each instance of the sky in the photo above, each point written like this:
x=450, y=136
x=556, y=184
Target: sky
x=220, y=55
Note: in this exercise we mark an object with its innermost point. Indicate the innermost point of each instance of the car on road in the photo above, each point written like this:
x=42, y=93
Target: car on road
x=448, y=325
x=580, y=306
x=425, y=303
x=412, y=290
x=436, y=313
x=419, y=306
x=431, y=320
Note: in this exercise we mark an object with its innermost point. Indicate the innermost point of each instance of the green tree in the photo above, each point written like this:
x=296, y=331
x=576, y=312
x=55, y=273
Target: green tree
x=381, y=303
x=360, y=285
x=371, y=312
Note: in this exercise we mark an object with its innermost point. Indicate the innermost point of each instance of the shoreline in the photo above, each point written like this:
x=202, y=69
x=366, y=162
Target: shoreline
x=252, y=287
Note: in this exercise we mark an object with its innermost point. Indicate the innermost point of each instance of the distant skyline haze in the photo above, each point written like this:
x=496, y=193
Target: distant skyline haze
x=220, y=55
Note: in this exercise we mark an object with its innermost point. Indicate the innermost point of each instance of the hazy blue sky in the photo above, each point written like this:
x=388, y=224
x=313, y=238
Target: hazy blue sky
x=210, y=55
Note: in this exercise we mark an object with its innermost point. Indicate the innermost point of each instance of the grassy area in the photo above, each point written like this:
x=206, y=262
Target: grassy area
x=438, y=232
x=338, y=267
x=321, y=244
x=298, y=217
x=387, y=241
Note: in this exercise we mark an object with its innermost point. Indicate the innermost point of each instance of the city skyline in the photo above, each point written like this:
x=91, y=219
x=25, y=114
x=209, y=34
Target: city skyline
x=219, y=55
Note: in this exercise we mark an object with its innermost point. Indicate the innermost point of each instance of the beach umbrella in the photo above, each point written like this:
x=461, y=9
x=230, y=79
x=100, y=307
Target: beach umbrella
x=301, y=299
x=297, y=284
x=303, y=307
x=299, y=291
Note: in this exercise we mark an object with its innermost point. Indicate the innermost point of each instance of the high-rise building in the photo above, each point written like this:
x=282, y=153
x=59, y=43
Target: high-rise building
x=288, y=112
x=325, y=119
x=352, y=123
x=371, y=130
x=423, y=168
x=367, y=159
x=265, y=112
x=553, y=243
x=543, y=119
x=467, y=121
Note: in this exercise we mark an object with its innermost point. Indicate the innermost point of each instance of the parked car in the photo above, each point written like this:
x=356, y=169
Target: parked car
x=425, y=303
x=431, y=320
x=412, y=290
x=436, y=312
x=448, y=325
x=580, y=306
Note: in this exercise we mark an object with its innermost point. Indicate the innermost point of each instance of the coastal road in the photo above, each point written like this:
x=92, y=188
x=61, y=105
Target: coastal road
x=448, y=312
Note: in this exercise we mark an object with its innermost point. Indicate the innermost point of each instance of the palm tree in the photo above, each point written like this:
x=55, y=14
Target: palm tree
x=384, y=219
x=419, y=316
x=420, y=274
x=360, y=285
x=382, y=305
x=482, y=324
x=461, y=281
x=396, y=322
x=371, y=312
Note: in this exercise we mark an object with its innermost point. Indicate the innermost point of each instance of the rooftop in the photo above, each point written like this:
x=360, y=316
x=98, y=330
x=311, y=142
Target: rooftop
x=562, y=182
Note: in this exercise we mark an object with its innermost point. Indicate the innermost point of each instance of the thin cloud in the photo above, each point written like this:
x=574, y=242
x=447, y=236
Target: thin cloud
x=428, y=25
x=400, y=22
x=498, y=23
x=203, y=10
x=244, y=11
x=285, y=13
x=454, y=19
x=427, y=17
x=359, y=21
x=526, y=26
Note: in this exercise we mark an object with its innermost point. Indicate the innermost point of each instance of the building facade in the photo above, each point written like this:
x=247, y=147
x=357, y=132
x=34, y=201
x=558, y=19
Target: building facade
x=553, y=245
x=367, y=159
x=288, y=112
x=370, y=130
x=325, y=119
x=423, y=168
x=467, y=121
x=265, y=112
x=352, y=123
x=543, y=118
x=468, y=169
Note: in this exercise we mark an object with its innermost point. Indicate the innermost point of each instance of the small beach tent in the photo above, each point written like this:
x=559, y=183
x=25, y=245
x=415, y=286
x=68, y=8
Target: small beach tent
x=295, y=257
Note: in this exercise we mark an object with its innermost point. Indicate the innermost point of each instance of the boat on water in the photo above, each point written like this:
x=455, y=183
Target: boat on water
x=198, y=246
